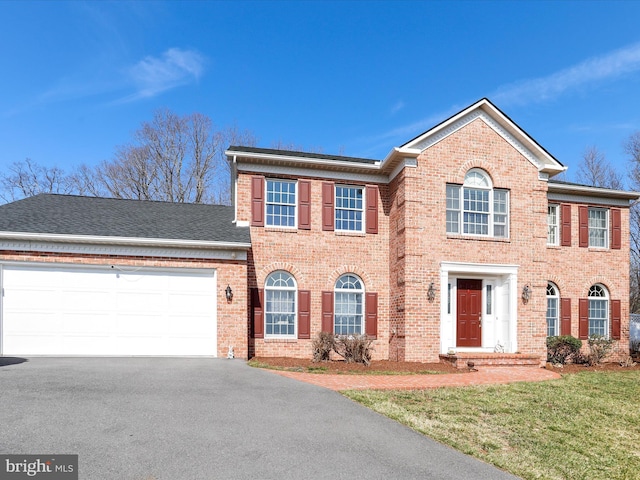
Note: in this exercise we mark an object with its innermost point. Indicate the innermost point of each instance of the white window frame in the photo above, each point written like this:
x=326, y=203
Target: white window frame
x=355, y=209
x=603, y=231
x=459, y=202
x=553, y=310
x=349, y=292
x=278, y=202
x=270, y=290
x=553, y=224
x=598, y=303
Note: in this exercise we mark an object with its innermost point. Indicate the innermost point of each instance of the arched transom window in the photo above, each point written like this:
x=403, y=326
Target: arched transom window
x=598, y=310
x=553, y=322
x=280, y=305
x=349, y=311
x=476, y=208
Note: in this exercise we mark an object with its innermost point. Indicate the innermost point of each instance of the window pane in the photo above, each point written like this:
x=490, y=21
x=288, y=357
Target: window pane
x=453, y=208
x=552, y=317
x=598, y=317
x=281, y=203
x=598, y=234
x=349, y=208
x=552, y=225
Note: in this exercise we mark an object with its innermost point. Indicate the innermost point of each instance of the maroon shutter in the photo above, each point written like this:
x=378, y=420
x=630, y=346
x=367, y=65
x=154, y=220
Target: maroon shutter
x=615, y=319
x=257, y=201
x=304, y=314
x=616, y=229
x=372, y=209
x=371, y=318
x=327, y=206
x=583, y=219
x=304, y=205
x=583, y=318
x=565, y=225
x=257, y=313
x=327, y=312
x=565, y=316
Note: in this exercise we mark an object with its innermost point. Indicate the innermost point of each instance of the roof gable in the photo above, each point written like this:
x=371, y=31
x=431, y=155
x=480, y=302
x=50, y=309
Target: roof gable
x=500, y=123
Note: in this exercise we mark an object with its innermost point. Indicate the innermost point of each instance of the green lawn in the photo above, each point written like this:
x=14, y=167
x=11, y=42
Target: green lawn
x=584, y=426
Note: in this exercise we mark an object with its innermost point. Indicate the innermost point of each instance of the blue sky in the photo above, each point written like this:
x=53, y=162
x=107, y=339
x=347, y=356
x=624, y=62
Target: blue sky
x=355, y=78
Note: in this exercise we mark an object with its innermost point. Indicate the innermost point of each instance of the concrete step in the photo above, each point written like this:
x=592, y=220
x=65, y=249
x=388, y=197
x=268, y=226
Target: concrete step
x=465, y=359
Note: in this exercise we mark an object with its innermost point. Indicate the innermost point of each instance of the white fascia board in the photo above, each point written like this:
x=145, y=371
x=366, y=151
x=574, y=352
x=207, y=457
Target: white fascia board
x=312, y=172
x=592, y=191
x=479, y=268
x=320, y=162
x=128, y=241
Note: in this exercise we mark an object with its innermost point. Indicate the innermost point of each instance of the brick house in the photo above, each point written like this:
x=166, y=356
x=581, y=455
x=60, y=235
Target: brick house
x=458, y=241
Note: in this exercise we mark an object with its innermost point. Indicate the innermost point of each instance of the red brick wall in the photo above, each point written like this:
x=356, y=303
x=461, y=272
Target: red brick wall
x=232, y=326
x=405, y=256
x=575, y=269
x=316, y=259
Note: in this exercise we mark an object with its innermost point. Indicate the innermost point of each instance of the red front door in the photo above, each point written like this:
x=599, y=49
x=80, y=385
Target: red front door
x=469, y=313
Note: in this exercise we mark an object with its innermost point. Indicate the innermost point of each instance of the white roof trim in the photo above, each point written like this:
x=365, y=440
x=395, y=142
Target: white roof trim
x=586, y=190
x=373, y=177
x=489, y=114
x=130, y=241
x=375, y=166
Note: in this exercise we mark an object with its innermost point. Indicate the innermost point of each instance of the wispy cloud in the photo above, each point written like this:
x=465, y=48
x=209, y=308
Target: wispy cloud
x=592, y=70
x=154, y=75
x=399, y=105
x=584, y=74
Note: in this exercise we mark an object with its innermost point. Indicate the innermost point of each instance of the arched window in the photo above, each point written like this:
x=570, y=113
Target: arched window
x=598, y=310
x=280, y=305
x=553, y=323
x=348, y=301
x=476, y=208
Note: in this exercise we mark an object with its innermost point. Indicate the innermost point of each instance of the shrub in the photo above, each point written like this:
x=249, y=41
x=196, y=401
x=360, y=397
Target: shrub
x=354, y=348
x=323, y=345
x=563, y=348
x=599, y=348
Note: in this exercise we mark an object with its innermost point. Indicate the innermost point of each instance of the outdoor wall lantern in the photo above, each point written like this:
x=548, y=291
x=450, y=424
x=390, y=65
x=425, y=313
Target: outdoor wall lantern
x=431, y=293
x=526, y=294
x=228, y=293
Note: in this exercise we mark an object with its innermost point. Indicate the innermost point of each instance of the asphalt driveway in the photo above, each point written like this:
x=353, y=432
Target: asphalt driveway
x=192, y=419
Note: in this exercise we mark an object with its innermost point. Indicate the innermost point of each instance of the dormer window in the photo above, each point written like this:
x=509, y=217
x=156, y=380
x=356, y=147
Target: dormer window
x=476, y=208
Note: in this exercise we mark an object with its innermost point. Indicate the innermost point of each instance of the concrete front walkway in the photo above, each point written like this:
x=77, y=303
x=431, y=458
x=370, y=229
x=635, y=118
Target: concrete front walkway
x=484, y=376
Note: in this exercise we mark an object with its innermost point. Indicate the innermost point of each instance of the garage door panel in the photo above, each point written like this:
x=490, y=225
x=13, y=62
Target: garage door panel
x=82, y=311
x=79, y=323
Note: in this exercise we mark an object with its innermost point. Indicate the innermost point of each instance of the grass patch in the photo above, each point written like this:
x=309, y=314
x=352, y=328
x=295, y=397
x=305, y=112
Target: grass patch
x=257, y=364
x=584, y=426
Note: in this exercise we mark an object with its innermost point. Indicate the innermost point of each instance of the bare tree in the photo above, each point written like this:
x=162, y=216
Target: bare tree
x=632, y=149
x=595, y=170
x=28, y=178
x=170, y=158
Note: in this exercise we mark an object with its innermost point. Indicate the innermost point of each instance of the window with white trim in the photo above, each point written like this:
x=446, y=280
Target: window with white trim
x=349, y=308
x=553, y=310
x=476, y=208
x=598, y=227
x=281, y=203
x=598, y=310
x=553, y=225
x=280, y=305
x=349, y=208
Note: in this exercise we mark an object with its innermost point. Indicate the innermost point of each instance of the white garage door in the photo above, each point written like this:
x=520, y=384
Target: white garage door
x=49, y=310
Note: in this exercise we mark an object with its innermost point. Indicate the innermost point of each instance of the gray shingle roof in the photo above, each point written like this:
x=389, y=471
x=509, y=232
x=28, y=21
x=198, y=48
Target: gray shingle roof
x=110, y=217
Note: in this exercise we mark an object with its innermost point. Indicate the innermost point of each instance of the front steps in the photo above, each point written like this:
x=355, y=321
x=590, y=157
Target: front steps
x=479, y=359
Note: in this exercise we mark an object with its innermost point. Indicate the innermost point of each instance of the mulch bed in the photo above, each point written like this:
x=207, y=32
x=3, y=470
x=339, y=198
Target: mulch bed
x=340, y=366
x=390, y=367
